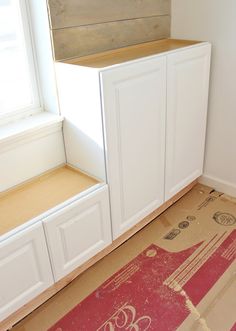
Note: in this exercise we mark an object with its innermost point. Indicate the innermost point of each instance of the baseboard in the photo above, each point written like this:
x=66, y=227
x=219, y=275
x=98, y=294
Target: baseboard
x=218, y=184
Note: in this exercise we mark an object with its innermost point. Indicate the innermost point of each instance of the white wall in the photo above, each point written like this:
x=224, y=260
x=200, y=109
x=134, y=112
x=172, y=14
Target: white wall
x=215, y=21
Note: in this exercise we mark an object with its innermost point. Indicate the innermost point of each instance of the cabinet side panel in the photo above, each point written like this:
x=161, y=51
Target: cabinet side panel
x=187, y=98
x=80, y=104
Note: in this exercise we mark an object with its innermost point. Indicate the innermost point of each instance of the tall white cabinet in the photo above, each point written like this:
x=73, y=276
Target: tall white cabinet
x=153, y=106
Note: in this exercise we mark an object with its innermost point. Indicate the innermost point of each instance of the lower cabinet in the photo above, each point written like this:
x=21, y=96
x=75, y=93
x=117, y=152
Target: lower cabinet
x=31, y=262
x=78, y=231
x=25, y=269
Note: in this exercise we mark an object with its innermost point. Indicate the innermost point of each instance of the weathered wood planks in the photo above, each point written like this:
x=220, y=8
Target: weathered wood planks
x=68, y=13
x=80, y=41
x=83, y=27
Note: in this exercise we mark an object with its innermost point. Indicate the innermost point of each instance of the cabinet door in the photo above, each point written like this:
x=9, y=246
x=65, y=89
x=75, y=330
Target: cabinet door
x=78, y=232
x=187, y=95
x=134, y=112
x=25, y=270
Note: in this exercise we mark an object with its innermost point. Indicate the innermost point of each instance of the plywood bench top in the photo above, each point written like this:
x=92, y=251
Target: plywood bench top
x=129, y=53
x=31, y=199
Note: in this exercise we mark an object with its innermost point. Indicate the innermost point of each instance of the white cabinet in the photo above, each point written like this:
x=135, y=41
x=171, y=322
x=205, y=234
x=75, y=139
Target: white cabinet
x=155, y=122
x=41, y=250
x=25, y=269
x=153, y=100
x=134, y=112
x=78, y=231
x=187, y=96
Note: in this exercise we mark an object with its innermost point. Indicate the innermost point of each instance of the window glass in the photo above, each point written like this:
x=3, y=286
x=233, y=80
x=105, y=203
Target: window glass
x=16, y=83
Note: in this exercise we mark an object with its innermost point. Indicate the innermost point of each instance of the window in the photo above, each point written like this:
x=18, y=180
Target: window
x=19, y=92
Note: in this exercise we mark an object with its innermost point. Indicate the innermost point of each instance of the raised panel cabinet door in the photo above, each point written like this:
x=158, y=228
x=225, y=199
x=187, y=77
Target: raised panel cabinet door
x=134, y=104
x=25, y=269
x=78, y=232
x=187, y=99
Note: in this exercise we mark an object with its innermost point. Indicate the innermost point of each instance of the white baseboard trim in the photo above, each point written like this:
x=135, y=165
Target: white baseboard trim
x=218, y=184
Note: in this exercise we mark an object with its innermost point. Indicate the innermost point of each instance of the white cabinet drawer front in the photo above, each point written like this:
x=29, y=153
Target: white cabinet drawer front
x=78, y=232
x=134, y=107
x=25, y=270
x=187, y=96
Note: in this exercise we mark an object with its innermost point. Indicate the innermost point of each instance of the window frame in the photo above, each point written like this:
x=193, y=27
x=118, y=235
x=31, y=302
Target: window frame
x=36, y=106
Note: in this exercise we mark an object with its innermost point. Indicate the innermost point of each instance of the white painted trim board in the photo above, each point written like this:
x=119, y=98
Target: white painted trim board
x=219, y=184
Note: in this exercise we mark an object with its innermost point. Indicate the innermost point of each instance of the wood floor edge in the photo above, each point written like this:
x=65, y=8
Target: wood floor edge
x=28, y=308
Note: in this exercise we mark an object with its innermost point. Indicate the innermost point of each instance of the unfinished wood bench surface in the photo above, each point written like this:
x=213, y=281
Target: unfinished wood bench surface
x=31, y=199
x=130, y=53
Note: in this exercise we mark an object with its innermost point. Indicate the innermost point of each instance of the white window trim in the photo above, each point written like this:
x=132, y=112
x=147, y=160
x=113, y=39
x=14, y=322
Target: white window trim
x=31, y=52
x=23, y=124
x=44, y=128
x=28, y=129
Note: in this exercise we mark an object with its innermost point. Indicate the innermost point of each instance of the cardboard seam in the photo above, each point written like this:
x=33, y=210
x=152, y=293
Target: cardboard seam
x=192, y=309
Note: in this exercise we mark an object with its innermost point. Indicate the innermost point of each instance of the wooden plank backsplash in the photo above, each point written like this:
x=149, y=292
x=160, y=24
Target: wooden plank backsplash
x=68, y=13
x=83, y=27
x=84, y=40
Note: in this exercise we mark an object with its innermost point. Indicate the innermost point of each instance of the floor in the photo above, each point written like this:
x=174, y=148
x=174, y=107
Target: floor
x=195, y=219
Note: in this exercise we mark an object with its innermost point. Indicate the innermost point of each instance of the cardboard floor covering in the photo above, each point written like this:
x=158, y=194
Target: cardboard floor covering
x=179, y=273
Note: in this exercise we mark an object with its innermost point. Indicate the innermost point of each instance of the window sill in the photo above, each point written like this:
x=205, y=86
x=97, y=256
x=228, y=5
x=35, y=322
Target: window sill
x=28, y=129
